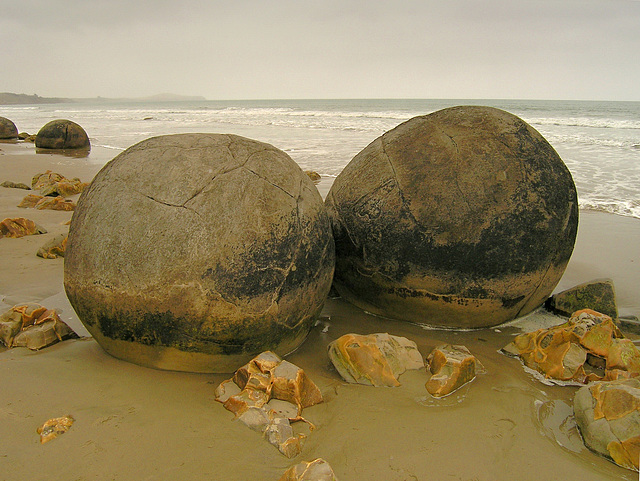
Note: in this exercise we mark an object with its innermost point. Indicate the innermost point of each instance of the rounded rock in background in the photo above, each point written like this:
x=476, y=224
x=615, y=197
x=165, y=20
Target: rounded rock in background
x=62, y=134
x=8, y=129
x=463, y=218
x=196, y=252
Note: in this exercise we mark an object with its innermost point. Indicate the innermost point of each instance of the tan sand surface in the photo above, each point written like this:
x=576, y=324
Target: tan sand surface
x=135, y=423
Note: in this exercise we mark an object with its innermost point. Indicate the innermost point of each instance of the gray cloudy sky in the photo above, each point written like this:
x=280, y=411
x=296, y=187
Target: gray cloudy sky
x=236, y=49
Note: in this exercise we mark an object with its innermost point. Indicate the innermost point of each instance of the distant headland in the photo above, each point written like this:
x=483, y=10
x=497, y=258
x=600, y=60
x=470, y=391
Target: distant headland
x=8, y=98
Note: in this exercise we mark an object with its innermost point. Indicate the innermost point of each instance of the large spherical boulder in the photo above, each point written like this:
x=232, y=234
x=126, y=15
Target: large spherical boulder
x=8, y=129
x=463, y=218
x=196, y=252
x=62, y=134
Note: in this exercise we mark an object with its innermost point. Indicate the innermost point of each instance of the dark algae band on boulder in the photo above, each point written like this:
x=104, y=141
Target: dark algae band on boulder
x=196, y=252
x=62, y=134
x=463, y=218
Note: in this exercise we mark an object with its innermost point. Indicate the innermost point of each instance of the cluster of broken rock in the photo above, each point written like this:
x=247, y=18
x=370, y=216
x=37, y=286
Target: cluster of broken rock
x=53, y=192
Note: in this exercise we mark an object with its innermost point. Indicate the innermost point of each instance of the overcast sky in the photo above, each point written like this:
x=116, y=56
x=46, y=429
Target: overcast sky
x=250, y=49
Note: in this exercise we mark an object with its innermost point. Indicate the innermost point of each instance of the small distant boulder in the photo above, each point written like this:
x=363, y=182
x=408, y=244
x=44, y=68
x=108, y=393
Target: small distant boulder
x=598, y=295
x=15, y=185
x=451, y=367
x=8, y=129
x=608, y=416
x=375, y=359
x=62, y=134
x=313, y=175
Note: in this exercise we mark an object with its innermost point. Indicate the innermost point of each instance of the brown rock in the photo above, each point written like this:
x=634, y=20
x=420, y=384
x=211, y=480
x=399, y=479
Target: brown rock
x=15, y=185
x=375, y=359
x=53, y=184
x=451, y=367
x=313, y=175
x=30, y=201
x=55, y=203
x=598, y=295
x=462, y=218
x=62, y=134
x=33, y=326
x=8, y=129
x=19, y=227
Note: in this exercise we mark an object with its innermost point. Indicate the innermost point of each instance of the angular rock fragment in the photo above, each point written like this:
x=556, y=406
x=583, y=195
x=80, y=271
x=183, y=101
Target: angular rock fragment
x=33, y=326
x=30, y=201
x=374, y=359
x=598, y=295
x=608, y=416
x=267, y=394
x=578, y=350
x=53, y=184
x=54, y=427
x=451, y=367
x=54, y=248
x=41, y=202
x=316, y=470
x=19, y=227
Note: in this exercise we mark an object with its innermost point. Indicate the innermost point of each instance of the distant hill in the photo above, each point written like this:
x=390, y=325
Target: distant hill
x=7, y=98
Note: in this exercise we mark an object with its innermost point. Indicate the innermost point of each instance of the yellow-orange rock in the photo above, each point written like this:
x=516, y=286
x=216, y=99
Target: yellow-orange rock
x=54, y=427
x=30, y=201
x=608, y=416
x=51, y=184
x=451, y=367
x=55, y=203
x=19, y=227
x=374, y=359
x=316, y=470
x=253, y=394
x=589, y=340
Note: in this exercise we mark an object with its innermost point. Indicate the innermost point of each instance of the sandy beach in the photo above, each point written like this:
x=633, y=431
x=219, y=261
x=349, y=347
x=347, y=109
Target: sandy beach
x=136, y=423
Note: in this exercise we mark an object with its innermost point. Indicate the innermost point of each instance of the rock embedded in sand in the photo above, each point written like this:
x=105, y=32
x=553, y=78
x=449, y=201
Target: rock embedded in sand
x=54, y=428
x=268, y=394
x=225, y=254
x=62, y=134
x=316, y=470
x=608, y=416
x=8, y=129
x=598, y=295
x=451, y=367
x=374, y=359
x=465, y=217
x=589, y=347
x=47, y=203
x=53, y=248
x=19, y=227
x=54, y=184
x=15, y=185
x=32, y=326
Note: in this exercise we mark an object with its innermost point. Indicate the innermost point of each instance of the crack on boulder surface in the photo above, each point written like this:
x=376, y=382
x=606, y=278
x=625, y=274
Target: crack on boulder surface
x=405, y=203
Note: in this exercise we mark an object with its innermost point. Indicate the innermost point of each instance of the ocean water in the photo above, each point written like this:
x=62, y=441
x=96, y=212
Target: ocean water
x=598, y=141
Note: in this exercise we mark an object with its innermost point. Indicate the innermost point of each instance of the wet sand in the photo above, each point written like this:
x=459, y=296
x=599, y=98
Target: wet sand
x=138, y=423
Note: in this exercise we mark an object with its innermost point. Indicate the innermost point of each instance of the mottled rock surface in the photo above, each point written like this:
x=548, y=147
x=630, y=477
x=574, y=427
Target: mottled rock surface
x=8, y=129
x=53, y=428
x=466, y=217
x=374, y=359
x=19, y=227
x=608, y=416
x=15, y=185
x=62, y=134
x=589, y=347
x=316, y=470
x=47, y=203
x=598, y=295
x=268, y=394
x=227, y=254
x=54, y=184
x=451, y=367
x=32, y=326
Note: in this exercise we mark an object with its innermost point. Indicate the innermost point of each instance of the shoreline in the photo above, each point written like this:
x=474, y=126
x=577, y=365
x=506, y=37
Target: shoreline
x=138, y=423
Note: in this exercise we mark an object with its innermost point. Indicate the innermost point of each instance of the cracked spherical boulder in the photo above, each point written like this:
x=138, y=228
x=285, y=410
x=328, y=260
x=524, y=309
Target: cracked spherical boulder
x=62, y=134
x=8, y=129
x=196, y=252
x=463, y=218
